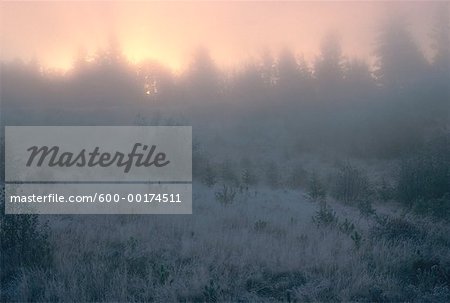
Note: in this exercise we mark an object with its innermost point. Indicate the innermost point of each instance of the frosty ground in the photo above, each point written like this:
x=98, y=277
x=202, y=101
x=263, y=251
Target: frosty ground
x=265, y=245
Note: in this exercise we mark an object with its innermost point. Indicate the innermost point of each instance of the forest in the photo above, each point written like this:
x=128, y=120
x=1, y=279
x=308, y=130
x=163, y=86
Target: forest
x=323, y=180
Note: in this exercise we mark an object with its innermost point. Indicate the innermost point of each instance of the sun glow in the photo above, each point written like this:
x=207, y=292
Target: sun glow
x=170, y=32
x=138, y=54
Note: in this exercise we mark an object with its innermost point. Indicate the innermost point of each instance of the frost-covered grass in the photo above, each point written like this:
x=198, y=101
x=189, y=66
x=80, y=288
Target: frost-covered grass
x=262, y=247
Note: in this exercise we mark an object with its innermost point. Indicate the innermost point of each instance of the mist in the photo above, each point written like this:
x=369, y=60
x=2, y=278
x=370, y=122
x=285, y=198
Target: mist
x=378, y=106
x=320, y=155
x=57, y=33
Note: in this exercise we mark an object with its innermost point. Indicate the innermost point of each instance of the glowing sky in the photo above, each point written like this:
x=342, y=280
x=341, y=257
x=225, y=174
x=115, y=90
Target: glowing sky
x=53, y=33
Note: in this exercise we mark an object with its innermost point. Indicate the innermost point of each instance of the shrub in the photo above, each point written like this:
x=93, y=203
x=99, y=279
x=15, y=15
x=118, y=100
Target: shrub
x=226, y=195
x=227, y=174
x=394, y=229
x=357, y=239
x=316, y=190
x=210, y=176
x=325, y=216
x=421, y=178
x=346, y=227
x=425, y=274
x=386, y=191
x=276, y=286
x=260, y=225
x=248, y=178
x=24, y=244
x=350, y=184
x=211, y=292
x=439, y=207
x=273, y=175
x=425, y=176
x=365, y=208
x=199, y=161
x=298, y=178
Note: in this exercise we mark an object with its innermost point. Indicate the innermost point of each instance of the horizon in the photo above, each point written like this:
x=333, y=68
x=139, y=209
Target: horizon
x=233, y=33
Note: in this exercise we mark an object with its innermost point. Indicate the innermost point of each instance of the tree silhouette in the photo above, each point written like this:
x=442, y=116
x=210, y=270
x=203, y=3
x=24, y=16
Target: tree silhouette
x=440, y=92
x=441, y=38
x=359, y=81
x=400, y=63
x=202, y=79
x=328, y=67
x=287, y=69
x=157, y=81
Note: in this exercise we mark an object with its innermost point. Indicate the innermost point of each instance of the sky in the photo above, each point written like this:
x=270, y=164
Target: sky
x=55, y=33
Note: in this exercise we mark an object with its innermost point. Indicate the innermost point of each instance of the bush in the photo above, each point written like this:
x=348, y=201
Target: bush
x=316, y=190
x=298, y=178
x=357, y=239
x=365, y=208
x=439, y=208
x=395, y=229
x=422, y=181
x=325, y=216
x=199, y=159
x=347, y=227
x=275, y=286
x=350, y=185
x=24, y=244
x=260, y=225
x=227, y=174
x=273, y=178
x=248, y=178
x=385, y=191
x=226, y=195
x=423, y=177
x=212, y=292
x=210, y=176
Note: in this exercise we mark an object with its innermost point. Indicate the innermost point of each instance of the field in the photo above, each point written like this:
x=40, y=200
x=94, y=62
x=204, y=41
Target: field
x=320, y=159
x=263, y=245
